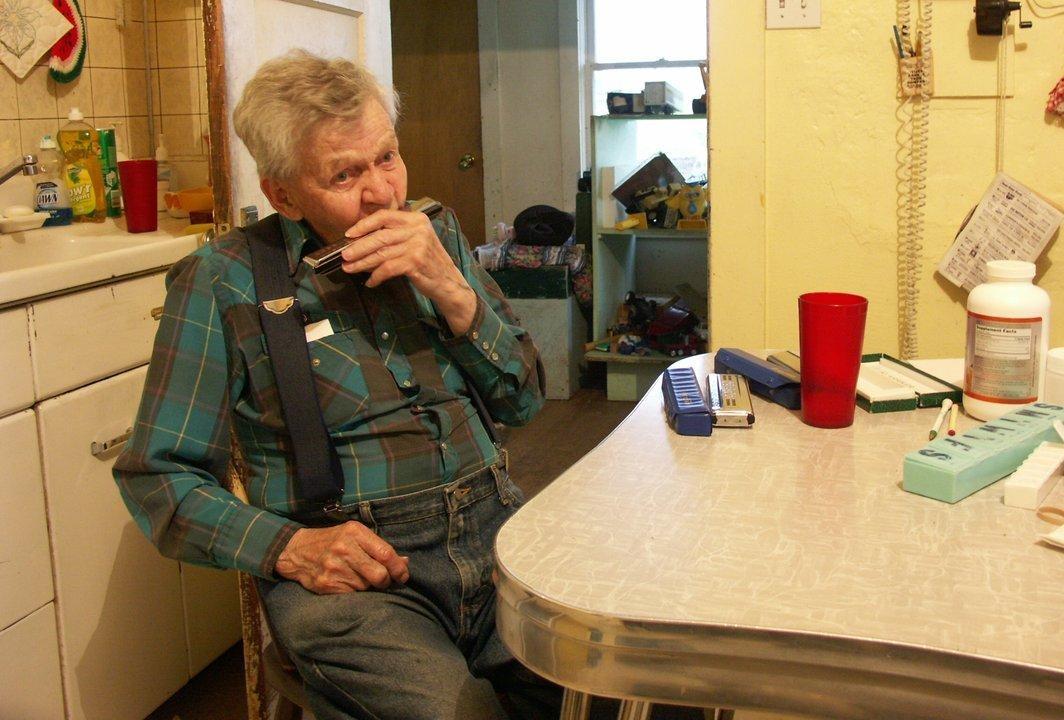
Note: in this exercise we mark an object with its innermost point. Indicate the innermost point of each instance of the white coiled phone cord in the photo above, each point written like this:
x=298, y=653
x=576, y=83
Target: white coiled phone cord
x=1002, y=91
x=914, y=182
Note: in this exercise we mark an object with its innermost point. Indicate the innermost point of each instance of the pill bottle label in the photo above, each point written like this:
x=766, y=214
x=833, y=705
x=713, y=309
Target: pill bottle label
x=1002, y=360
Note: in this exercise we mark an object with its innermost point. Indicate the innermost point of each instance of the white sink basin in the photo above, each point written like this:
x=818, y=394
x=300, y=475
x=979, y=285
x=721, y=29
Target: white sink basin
x=51, y=260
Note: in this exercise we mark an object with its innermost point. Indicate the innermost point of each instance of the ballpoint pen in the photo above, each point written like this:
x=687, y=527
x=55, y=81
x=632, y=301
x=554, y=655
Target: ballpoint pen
x=946, y=405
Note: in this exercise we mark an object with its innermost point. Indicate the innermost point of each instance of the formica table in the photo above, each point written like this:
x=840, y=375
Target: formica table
x=782, y=567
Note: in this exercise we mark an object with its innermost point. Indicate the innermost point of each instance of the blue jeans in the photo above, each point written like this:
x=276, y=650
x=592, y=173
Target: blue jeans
x=428, y=649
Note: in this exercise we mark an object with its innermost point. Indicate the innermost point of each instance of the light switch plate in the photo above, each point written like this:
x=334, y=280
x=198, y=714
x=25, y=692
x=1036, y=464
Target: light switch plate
x=784, y=14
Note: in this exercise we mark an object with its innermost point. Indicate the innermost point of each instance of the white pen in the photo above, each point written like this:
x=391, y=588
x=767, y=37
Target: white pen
x=946, y=405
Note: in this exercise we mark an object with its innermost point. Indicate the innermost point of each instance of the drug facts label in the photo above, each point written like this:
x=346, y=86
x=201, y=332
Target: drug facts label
x=1002, y=359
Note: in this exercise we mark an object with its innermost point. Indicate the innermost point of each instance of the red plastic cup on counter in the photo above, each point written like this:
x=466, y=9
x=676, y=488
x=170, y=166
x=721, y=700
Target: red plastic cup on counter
x=138, y=178
x=831, y=333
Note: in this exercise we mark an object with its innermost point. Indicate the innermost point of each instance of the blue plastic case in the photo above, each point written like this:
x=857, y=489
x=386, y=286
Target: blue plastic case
x=772, y=382
x=685, y=405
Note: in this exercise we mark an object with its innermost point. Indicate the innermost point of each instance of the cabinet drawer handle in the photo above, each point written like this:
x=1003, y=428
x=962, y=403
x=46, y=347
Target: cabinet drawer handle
x=156, y=313
x=99, y=448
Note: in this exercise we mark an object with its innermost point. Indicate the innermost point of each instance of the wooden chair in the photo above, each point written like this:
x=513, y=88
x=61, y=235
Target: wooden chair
x=274, y=688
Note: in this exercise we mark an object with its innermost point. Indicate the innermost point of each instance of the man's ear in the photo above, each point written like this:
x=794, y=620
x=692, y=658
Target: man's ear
x=281, y=199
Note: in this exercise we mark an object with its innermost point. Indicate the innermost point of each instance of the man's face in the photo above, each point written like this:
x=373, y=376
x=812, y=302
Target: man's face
x=349, y=169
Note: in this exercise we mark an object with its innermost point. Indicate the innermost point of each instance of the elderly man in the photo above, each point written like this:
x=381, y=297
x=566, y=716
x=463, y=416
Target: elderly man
x=383, y=596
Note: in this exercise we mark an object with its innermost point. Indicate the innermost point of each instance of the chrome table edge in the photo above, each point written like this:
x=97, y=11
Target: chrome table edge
x=820, y=674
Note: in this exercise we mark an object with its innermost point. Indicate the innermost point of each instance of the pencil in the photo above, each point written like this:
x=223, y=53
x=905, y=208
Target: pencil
x=901, y=49
x=946, y=405
x=952, y=421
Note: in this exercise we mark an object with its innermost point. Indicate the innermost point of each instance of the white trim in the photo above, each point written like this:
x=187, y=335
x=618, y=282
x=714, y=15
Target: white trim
x=490, y=112
x=646, y=64
x=573, y=110
x=351, y=7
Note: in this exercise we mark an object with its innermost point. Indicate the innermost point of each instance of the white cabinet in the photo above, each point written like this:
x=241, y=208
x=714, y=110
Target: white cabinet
x=212, y=613
x=29, y=669
x=88, y=335
x=128, y=627
x=120, y=610
x=25, y=568
x=16, y=387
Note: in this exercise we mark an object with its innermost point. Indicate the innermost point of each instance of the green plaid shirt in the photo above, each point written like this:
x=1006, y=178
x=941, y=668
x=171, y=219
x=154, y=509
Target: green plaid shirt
x=394, y=402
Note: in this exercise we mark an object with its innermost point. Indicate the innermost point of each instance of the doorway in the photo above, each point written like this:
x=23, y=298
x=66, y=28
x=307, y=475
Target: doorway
x=436, y=72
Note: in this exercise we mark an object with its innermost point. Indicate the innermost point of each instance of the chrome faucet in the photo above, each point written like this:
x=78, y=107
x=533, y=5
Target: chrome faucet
x=27, y=165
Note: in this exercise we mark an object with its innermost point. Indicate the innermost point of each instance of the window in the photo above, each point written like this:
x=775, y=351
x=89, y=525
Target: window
x=631, y=42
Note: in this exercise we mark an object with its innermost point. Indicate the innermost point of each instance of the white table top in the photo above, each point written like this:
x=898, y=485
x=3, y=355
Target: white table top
x=783, y=528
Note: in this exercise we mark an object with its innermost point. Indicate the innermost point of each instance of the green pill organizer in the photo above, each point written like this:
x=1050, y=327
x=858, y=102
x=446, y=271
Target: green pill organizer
x=952, y=468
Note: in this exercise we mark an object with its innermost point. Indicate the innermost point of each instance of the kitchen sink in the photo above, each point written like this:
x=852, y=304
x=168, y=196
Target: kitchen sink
x=47, y=261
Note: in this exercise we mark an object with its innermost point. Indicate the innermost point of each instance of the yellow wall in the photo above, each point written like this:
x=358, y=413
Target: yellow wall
x=803, y=157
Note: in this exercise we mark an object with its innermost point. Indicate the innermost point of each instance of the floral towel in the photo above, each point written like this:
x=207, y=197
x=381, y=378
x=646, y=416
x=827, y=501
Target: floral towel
x=28, y=28
x=1056, y=99
x=533, y=256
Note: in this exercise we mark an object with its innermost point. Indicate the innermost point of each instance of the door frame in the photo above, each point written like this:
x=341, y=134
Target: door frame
x=222, y=156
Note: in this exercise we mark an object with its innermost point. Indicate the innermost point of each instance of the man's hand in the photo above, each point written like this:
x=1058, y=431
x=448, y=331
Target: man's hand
x=390, y=243
x=341, y=559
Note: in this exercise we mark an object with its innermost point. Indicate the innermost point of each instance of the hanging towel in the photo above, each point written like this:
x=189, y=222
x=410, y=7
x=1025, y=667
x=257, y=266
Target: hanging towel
x=28, y=28
x=68, y=54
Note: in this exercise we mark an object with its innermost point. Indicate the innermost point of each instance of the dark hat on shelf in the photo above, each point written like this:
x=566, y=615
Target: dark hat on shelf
x=543, y=225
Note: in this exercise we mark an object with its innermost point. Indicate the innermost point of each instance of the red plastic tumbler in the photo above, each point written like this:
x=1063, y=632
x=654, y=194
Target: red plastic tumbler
x=831, y=329
x=139, y=182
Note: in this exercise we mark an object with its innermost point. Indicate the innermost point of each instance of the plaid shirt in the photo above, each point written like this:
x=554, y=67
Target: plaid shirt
x=386, y=381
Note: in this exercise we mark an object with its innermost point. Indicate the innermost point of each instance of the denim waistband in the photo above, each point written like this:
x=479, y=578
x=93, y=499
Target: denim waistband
x=438, y=500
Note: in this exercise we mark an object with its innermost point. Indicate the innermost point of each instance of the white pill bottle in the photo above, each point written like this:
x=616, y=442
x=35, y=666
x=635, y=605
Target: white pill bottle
x=1008, y=340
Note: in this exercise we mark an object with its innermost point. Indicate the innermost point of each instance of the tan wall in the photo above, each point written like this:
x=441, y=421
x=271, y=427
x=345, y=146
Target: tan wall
x=803, y=154
x=111, y=89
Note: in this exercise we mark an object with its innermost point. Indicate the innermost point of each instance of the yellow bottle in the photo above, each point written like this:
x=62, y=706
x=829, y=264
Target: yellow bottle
x=84, y=180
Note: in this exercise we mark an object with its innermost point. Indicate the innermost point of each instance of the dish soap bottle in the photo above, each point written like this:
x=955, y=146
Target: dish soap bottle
x=163, y=172
x=77, y=140
x=50, y=194
x=1008, y=340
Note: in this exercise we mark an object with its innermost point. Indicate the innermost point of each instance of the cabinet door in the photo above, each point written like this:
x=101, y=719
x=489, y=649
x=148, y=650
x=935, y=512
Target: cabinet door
x=25, y=565
x=121, y=619
x=88, y=335
x=16, y=389
x=212, y=613
x=29, y=667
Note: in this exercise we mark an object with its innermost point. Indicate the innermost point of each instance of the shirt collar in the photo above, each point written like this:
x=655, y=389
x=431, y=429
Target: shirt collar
x=297, y=236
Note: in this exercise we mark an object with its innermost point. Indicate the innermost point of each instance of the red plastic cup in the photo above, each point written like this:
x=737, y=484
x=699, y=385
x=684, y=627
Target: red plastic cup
x=831, y=333
x=138, y=178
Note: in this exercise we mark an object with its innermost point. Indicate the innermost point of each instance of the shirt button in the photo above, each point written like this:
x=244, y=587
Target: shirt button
x=316, y=362
x=485, y=345
x=417, y=409
x=407, y=383
x=475, y=335
x=385, y=335
x=495, y=356
x=443, y=446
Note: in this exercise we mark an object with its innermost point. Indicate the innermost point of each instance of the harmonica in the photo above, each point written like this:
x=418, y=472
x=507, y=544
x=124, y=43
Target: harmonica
x=729, y=400
x=330, y=257
x=685, y=406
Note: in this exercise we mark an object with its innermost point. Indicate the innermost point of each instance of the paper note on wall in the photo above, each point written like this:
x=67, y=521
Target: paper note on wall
x=1011, y=222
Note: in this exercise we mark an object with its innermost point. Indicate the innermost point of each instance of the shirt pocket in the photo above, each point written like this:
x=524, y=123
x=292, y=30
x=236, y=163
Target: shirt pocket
x=335, y=369
x=341, y=385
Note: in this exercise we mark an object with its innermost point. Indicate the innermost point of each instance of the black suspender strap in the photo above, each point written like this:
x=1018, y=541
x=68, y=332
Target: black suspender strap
x=319, y=475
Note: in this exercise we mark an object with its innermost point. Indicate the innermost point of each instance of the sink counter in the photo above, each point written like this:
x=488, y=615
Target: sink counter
x=47, y=261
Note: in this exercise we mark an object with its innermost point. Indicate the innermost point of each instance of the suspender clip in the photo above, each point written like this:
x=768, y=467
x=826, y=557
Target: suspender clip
x=335, y=509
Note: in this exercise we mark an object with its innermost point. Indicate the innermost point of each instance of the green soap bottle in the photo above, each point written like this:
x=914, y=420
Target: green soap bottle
x=108, y=157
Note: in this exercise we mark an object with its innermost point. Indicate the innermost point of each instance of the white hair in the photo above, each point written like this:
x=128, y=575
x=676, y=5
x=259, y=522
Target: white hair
x=291, y=95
